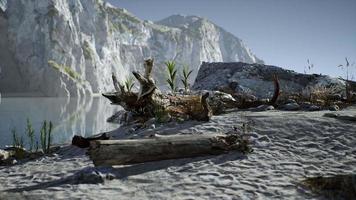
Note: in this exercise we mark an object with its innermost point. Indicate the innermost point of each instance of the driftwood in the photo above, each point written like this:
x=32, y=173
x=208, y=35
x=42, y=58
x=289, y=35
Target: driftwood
x=150, y=100
x=83, y=142
x=119, y=152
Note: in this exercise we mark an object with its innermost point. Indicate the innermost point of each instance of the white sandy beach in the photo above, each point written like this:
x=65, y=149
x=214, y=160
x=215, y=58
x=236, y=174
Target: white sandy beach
x=288, y=146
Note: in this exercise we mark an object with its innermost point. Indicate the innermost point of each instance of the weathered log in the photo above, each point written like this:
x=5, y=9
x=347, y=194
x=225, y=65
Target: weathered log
x=149, y=99
x=119, y=152
x=83, y=142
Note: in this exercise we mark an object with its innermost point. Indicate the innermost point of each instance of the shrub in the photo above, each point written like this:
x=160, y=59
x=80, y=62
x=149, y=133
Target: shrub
x=186, y=73
x=318, y=92
x=30, y=134
x=161, y=115
x=46, y=136
x=16, y=140
x=129, y=84
x=172, y=72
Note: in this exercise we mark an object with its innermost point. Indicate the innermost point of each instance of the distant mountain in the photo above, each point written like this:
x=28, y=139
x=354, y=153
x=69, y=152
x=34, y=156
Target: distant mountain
x=70, y=48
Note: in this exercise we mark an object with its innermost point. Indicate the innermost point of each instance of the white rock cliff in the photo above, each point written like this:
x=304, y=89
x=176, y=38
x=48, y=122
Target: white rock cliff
x=70, y=48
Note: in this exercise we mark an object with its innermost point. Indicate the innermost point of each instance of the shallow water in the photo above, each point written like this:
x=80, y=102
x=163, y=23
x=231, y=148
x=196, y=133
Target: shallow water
x=69, y=116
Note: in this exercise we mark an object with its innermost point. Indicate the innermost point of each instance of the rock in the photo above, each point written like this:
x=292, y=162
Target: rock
x=334, y=108
x=3, y=5
x=4, y=155
x=110, y=176
x=262, y=108
x=89, y=177
x=291, y=107
x=305, y=105
x=17, y=152
x=152, y=126
x=290, y=101
x=90, y=39
x=331, y=115
x=314, y=108
x=257, y=79
x=218, y=101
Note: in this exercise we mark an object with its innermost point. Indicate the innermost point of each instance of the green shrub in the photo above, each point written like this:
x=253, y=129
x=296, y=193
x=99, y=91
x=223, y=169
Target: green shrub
x=30, y=134
x=161, y=114
x=129, y=84
x=172, y=73
x=185, y=80
x=16, y=140
x=46, y=136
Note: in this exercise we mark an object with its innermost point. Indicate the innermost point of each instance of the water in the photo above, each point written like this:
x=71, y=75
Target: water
x=70, y=117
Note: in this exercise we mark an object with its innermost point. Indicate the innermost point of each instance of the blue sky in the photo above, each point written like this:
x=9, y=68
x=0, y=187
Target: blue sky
x=282, y=32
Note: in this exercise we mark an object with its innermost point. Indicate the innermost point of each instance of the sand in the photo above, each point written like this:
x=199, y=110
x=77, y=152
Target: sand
x=288, y=146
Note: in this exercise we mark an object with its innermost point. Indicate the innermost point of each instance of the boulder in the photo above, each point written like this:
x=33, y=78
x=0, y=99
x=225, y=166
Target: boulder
x=257, y=79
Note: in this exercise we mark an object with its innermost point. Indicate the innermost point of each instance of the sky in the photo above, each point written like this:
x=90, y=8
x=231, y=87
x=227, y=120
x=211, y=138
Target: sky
x=284, y=33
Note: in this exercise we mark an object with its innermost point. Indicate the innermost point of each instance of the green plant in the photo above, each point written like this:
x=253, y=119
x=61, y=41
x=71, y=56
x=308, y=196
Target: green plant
x=172, y=72
x=16, y=140
x=46, y=136
x=129, y=84
x=185, y=80
x=30, y=133
x=161, y=115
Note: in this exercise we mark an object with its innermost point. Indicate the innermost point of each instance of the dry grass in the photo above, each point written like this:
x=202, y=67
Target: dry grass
x=319, y=93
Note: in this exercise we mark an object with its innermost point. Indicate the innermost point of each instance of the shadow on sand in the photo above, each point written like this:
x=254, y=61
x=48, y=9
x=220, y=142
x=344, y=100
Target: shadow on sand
x=97, y=175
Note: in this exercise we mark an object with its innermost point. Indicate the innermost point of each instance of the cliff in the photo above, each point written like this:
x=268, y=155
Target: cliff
x=70, y=48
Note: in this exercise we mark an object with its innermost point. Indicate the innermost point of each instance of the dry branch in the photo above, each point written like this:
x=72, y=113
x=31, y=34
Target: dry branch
x=150, y=99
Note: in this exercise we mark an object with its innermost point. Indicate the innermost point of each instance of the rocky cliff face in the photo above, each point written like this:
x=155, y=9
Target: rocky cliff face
x=257, y=79
x=70, y=48
x=3, y=4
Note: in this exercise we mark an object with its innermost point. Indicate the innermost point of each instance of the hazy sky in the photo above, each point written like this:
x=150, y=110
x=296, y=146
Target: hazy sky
x=281, y=32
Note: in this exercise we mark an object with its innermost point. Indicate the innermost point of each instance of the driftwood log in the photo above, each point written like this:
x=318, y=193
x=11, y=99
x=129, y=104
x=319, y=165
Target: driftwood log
x=120, y=152
x=83, y=142
x=150, y=100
